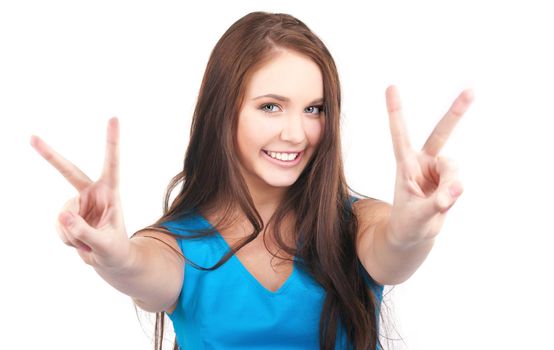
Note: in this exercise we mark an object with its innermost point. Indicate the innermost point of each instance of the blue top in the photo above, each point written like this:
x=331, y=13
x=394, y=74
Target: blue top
x=228, y=308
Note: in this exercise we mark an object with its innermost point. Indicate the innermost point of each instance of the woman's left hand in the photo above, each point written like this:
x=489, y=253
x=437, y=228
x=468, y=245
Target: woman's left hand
x=427, y=184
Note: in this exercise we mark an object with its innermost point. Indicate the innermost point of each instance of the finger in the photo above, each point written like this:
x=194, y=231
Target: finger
x=72, y=205
x=62, y=234
x=444, y=128
x=71, y=241
x=111, y=162
x=449, y=188
x=78, y=231
x=73, y=174
x=398, y=130
x=59, y=227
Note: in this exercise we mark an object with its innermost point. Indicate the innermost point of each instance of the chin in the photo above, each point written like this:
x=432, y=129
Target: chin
x=274, y=181
x=279, y=184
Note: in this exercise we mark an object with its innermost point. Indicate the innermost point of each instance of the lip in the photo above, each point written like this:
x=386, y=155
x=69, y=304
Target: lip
x=282, y=151
x=282, y=163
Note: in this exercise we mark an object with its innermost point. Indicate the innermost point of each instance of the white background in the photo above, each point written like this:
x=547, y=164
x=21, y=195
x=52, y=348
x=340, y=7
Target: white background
x=67, y=67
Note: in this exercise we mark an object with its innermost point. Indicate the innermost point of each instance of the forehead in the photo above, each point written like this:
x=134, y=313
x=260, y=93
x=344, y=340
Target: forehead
x=288, y=74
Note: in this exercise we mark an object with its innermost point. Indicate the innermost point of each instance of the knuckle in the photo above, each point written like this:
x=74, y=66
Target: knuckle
x=79, y=234
x=447, y=164
x=67, y=174
x=69, y=241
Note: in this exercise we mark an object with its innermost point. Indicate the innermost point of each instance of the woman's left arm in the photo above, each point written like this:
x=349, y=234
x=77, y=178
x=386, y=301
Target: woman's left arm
x=394, y=240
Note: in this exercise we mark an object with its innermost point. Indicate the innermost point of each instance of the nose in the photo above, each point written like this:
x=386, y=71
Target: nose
x=293, y=129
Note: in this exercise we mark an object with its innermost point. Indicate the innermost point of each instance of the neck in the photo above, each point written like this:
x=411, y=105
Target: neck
x=266, y=198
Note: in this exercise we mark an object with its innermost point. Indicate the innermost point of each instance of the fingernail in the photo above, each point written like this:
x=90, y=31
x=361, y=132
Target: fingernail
x=67, y=218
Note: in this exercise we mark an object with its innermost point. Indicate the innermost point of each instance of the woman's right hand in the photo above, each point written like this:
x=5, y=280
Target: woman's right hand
x=92, y=222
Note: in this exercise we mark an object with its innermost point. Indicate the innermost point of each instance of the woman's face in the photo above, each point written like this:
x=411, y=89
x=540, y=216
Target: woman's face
x=281, y=117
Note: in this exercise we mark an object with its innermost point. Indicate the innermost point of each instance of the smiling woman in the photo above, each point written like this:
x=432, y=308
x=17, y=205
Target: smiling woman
x=264, y=170
x=265, y=245
x=267, y=125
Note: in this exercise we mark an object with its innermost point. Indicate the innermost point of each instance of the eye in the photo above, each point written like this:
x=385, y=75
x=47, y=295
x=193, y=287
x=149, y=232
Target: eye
x=268, y=107
x=315, y=109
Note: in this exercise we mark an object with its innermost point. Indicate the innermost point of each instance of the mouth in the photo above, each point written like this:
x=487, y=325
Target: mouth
x=286, y=159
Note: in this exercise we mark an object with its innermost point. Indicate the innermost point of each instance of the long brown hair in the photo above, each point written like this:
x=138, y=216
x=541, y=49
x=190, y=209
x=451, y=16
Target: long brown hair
x=324, y=224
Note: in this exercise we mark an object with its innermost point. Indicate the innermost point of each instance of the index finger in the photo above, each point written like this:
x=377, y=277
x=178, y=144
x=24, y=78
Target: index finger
x=444, y=128
x=398, y=131
x=73, y=174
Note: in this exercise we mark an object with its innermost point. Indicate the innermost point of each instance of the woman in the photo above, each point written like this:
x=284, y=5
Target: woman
x=262, y=181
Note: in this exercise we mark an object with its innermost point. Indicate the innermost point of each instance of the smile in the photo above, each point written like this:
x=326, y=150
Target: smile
x=283, y=158
x=282, y=155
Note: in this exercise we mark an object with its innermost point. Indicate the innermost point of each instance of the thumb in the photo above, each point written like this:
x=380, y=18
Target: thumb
x=450, y=188
x=447, y=196
x=78, y=229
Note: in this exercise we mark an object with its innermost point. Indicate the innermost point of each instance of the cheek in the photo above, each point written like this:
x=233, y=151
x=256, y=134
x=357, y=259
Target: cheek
x=314, y=130
x=249, y=134
x=258, y=131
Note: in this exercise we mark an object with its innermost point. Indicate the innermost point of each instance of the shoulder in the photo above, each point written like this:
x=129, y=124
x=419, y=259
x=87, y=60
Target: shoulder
x=167, y=235
x=172, y=233
x=164, y=241
x=369, y=213
x=369, y=210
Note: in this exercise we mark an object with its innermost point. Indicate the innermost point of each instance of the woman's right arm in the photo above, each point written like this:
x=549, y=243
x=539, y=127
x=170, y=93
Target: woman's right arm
x=146, y=269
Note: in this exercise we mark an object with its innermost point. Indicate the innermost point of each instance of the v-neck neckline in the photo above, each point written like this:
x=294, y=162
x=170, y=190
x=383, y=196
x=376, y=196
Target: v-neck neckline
x=241, y=266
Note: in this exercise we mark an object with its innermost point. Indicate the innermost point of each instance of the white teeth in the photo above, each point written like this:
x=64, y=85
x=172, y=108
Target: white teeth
x=287, y=157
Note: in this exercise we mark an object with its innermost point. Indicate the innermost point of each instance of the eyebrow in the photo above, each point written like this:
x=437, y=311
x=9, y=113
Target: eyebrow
x=286, y=99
